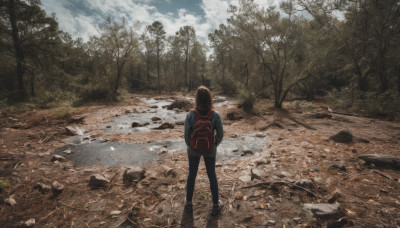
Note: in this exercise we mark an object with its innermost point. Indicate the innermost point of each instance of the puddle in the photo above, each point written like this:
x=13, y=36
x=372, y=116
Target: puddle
x=111, y=153
x=123, y=123
x=220, y=101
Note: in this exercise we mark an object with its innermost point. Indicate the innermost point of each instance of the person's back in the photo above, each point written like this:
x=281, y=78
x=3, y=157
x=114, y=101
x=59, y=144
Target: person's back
x=200, y=143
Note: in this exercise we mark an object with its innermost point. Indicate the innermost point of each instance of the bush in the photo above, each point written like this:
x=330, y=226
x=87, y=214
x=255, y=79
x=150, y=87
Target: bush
x=246, y=100
x=228, y=86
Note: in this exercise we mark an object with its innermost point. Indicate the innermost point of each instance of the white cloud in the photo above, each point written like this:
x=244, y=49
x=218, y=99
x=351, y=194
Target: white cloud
x=84, y=22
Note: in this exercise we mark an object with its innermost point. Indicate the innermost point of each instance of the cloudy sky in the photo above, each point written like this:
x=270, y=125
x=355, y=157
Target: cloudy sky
x=81, y=18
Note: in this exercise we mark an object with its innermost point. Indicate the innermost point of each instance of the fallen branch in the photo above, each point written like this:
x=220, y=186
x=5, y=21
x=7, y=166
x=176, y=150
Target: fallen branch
x=283, y=183
x=382, y=175
x=273, y=124
x=257, y=185
x=298, y=122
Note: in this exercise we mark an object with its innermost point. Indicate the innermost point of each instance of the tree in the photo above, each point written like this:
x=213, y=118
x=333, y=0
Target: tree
x=117, y=42
x=187, y=38
x=32, y=33
x=157, y=37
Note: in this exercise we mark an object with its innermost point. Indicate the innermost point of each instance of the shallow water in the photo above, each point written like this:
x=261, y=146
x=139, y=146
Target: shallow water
x=94, y=152
x=123, y=124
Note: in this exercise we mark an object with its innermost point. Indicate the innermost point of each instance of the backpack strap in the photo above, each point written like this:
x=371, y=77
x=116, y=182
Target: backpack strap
x=208, y=116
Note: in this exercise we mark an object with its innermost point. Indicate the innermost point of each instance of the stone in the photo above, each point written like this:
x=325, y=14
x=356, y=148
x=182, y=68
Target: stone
x=155, y=118
x=335, y=196
x=135, y=124
x=342, y=137
x=326, y=150
x=181, y=103
x=245, y=179
x=246, y=152
x=168, y=171
x=144, y=124
x=234, y=115
x=337, y=166
x=323, y=210
x=57, y=158
x=154, y=106
x=98, y=181
x=297, y=220
x=283, y=174
x=10, y=201
x=72, y=130
x=381, y=160
x=304, y=183
x=42, y=188
x=238, y=195
x=166, y=125
x=271, y=222
x=260, y=135
x=57, y=188
x=262, y=161
x=115, y=212
x=255, y=174
x=180, y=123
x=30, y=222
x=133, y=174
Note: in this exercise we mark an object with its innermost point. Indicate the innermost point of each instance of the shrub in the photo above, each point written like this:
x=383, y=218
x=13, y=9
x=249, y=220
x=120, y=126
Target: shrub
x=246, y=100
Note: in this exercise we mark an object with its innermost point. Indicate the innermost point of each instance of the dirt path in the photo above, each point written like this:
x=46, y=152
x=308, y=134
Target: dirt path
x=298, y=165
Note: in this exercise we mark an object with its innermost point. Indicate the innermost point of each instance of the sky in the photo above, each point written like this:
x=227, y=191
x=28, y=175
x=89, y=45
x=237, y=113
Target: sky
x=81, y=18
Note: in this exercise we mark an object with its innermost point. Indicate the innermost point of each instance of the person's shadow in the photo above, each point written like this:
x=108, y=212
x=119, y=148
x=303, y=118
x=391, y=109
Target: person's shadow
x=187, y=219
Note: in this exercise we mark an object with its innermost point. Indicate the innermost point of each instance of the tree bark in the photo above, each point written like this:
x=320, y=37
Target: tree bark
x=19, y=54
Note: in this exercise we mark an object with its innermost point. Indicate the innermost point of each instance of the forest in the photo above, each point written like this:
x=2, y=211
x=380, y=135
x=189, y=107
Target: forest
x=93, y=131
x=344, y=51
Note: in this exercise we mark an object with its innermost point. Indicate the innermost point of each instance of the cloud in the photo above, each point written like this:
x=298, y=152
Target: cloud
x=81, y=18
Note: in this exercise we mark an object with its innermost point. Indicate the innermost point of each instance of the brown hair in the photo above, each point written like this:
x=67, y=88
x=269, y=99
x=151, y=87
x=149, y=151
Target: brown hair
x=204, y=101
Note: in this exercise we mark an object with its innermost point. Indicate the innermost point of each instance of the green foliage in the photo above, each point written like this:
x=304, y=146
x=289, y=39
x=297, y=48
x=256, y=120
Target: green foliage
x=227, y=86
x=4, y=183
x=247, y=100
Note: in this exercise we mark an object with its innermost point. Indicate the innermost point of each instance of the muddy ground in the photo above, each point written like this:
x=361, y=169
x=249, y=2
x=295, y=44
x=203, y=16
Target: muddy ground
x=296, y=164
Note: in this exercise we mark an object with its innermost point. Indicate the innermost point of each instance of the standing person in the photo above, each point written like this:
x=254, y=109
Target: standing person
x=203, y=133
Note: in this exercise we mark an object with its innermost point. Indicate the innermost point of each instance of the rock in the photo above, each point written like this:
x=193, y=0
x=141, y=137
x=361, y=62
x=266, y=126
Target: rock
x=72, y=130
x=144, y=124
x=165, y=126
x=335, y=196
x=260, y=135
x=362, y=140
x=180, y=123
x=323, y=210
x=234, y=136
x=154, y=106
x=135, y=124
x=262, y=161
x=57, y=188
x=271, y=222
x=218, y=99
x=234, y=115
x=255, y=174
x=181, y=103
x=321, y=115
x=297, y=220
x=133, y=174
x=342, y=137
x=10, y=201
x=238, y=195
x=337, y=166
x=155, y=118
x=42, y=188
x=168, y=171
x=327, y=150
x=246, y=152
x=283, y=174
x=67, y=151
x=98, y=181
x=57, y=158
x=29, y=223
x=115, y=212
x=304, y=183
x=245, y=179
x=381, y=160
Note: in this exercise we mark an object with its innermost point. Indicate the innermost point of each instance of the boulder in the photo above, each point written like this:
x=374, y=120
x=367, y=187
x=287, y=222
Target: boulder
x=343, y=137
x=323, y=210
x=166, y=125
x=381, y=160
x=57, y=188
x=154, y=106
x=135, y=124
x=181, y=103
x=42, y=188
x=144, y=124
x=234, y=115
x=98, y=181
x=133, y=174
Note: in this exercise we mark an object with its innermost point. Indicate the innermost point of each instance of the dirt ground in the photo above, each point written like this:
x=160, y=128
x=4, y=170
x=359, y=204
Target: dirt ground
x=257, y=190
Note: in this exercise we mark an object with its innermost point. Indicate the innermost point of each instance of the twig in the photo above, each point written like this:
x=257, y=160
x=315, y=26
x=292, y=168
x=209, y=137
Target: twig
x=77, y=208
x=283, y=183
x=382, y=175
x=306, y=190
x=298, y=122
x=273, y=124
x=257, y=185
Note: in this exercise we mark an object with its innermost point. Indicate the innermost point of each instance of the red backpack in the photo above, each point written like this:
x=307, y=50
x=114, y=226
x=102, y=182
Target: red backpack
x=202, y=138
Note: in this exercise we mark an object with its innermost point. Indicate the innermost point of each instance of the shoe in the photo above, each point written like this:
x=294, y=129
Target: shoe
x=216, y=209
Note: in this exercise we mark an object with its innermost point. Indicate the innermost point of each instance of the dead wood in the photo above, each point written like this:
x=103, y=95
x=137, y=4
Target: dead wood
x=282, y=183
x=381, y=160
x=298, y=122
x=273, y=124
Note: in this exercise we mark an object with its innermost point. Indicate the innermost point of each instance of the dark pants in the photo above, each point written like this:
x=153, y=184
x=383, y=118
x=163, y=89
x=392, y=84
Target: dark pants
x=212, y=177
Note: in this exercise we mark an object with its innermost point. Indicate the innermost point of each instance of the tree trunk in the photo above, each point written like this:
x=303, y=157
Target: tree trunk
x=398, y=79
x=33, y=84
x=18, y=51
x=382, y=73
